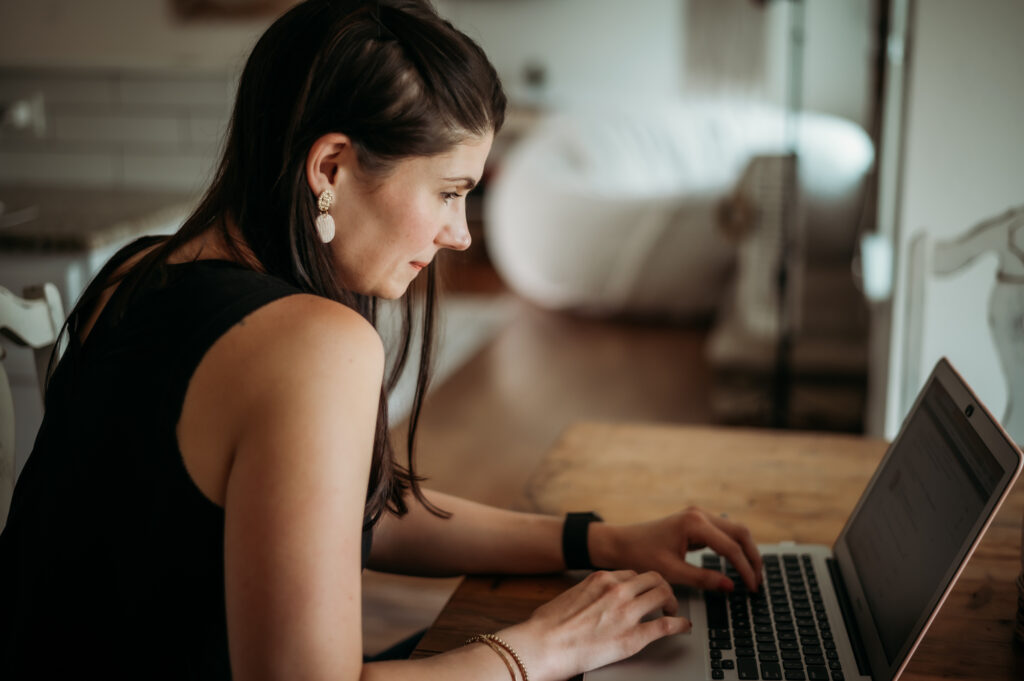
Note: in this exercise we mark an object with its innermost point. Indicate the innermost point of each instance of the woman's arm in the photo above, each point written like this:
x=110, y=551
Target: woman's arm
x=300, y=416
x=477, y=539
x=305, y=374
x=481, y=539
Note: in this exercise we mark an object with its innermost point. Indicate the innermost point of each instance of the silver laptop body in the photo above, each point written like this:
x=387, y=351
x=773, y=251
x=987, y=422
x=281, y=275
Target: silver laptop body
x=905, y=543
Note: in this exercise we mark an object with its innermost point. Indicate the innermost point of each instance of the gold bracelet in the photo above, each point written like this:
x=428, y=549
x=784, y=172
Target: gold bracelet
x=492, y=639
x=497, y=649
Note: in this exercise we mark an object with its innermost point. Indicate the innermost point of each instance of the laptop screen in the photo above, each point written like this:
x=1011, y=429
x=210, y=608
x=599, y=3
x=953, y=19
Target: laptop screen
x=916, y=519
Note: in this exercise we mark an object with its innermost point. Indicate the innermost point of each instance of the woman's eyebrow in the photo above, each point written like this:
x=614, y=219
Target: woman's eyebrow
x=468, y=182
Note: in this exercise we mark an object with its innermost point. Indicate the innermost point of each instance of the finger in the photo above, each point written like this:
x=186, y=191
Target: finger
x=639, y=636
x=702, y=578
x=659, y=628
x=600, y=582
x=659, y=599
x=608, y=578
x=726, y=546
x=592, y=588
x=741, y=534
x=642, y=583
x=640, y=595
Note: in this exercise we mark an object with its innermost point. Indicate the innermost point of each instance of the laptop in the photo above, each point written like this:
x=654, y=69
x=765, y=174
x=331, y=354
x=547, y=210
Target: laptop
x=856, y=611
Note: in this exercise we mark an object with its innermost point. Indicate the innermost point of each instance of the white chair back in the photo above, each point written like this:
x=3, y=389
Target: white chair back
x=34, y=322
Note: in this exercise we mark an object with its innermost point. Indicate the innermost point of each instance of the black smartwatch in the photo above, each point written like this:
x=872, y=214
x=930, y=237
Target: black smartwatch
x=574, y=540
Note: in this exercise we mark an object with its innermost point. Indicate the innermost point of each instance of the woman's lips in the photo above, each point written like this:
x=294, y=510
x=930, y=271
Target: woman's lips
x=418, y=265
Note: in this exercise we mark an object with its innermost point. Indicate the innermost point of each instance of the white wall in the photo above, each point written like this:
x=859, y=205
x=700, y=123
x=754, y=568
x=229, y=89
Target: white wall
x=963, y=147
x=119, y=34
x=838, y=58
x=596, y=49
x=588, y=48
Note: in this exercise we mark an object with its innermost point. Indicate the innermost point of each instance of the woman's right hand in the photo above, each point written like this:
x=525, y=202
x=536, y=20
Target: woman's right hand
x=599, y=621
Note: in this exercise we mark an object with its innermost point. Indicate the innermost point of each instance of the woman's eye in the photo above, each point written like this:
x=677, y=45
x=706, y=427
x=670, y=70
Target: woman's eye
x=448, y=196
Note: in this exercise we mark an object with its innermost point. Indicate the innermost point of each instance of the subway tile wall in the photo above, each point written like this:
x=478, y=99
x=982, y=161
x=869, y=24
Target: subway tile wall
x=125, y=129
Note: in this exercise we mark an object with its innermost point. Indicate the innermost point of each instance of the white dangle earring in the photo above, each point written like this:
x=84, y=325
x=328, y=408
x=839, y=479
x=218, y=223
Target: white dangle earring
x=324, y=221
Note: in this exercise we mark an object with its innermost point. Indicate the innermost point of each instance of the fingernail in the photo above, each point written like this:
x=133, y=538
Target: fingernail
x=726, y=584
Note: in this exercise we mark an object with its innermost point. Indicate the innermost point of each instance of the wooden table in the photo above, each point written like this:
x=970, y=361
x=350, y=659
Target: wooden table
x=784, y=486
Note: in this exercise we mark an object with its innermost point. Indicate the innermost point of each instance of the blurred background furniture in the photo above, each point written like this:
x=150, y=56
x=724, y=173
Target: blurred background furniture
x=617, y=211
x=680, y=212
x=64, y=235
x=33, y=322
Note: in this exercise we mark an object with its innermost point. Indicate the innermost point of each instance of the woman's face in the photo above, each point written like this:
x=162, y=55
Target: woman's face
x=388, y=234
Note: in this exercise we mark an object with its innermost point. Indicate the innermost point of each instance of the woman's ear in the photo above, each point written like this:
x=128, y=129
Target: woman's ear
x=329, y=160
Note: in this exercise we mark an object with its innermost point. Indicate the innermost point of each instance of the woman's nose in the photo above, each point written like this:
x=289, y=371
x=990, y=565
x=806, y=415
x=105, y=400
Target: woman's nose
x=455, y=235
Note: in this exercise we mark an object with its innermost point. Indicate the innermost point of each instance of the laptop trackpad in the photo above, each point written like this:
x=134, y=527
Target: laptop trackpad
x=666, y=658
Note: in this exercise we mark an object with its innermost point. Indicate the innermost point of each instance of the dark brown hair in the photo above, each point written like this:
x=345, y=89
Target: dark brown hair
x=400, y=82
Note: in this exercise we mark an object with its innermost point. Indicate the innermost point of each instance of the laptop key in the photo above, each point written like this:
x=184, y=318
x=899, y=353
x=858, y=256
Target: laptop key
x=817, y=673
x=717, y=674
x=728, y=664
x=771, y=671
x=793, y=675
x=746, y=668
x=718, y=614
x=744, y=652
x=768, y=657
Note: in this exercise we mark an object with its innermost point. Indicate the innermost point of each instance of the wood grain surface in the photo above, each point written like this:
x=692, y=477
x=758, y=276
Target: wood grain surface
x=784, y=486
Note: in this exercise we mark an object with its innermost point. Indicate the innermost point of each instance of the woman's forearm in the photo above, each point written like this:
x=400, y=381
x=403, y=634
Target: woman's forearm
x=477, y=539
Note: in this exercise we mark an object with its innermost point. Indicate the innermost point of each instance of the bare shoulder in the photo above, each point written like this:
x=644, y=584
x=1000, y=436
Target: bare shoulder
x=297, y=370
x=301, y=344
x=316, y=324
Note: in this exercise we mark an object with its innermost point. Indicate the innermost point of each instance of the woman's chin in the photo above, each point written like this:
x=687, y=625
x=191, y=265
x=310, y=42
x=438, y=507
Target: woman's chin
x=391, y=291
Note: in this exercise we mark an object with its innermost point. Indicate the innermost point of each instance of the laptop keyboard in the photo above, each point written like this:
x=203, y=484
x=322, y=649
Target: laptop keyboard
x=780, y=632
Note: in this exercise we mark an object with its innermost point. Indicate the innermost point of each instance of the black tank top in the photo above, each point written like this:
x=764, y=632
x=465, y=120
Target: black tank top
x=112, y=560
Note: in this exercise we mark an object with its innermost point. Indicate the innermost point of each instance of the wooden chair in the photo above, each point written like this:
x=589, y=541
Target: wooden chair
x=34, y=322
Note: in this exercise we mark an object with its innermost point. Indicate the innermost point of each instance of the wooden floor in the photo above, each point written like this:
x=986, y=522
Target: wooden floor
x=484, y=430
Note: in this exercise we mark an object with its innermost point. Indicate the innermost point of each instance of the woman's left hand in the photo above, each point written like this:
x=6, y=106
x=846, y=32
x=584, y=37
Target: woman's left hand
x=661, y=545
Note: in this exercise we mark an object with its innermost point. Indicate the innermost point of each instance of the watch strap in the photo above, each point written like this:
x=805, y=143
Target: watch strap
x=575, y=550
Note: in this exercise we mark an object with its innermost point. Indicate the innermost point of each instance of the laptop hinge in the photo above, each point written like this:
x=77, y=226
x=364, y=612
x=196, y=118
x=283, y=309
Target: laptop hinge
x=859, y=653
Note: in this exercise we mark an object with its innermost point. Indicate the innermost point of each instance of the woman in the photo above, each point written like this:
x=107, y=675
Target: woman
x=214, y=460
